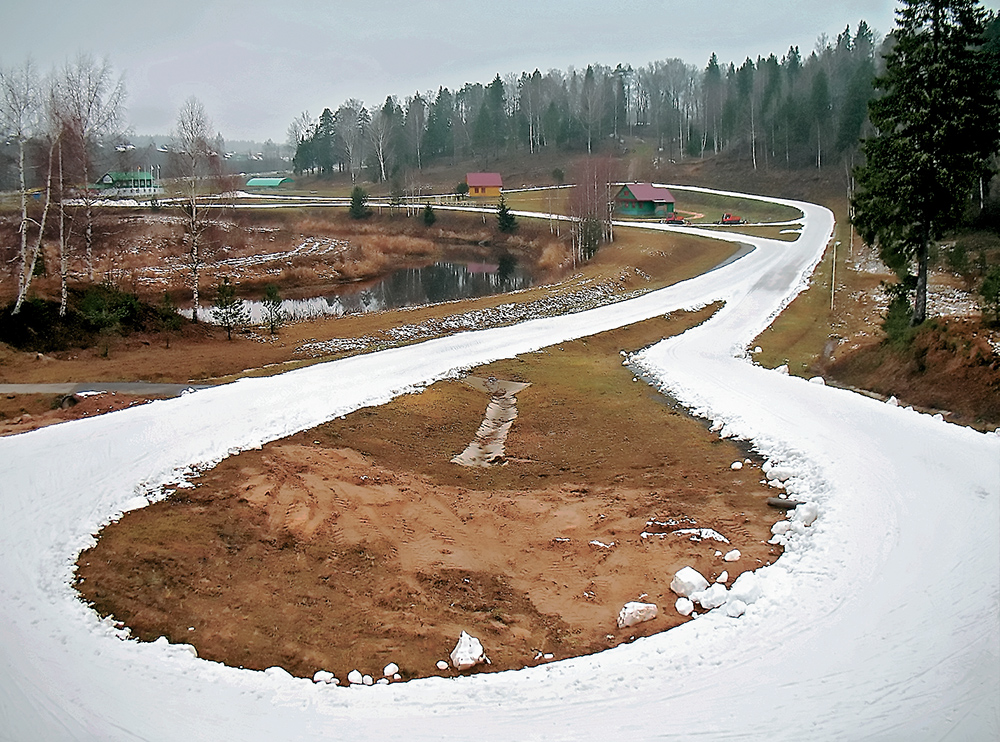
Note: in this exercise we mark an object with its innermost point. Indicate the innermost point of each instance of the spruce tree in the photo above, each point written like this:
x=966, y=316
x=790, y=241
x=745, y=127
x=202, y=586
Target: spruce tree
x=429, y=216
x=274, y=316
x=936, y=128
x=506, y=222
x=229, y=311
x=359, y=203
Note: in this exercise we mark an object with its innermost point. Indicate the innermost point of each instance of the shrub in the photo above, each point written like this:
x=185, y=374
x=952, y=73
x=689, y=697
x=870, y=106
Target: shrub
x=897, y=323
x=989, y=294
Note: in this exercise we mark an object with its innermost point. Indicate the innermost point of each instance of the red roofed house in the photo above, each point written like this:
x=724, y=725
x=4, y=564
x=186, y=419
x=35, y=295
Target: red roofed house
x=644, y=199
x=484, y=185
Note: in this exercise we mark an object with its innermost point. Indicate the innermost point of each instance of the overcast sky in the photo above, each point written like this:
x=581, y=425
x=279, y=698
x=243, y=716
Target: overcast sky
x=257, y=64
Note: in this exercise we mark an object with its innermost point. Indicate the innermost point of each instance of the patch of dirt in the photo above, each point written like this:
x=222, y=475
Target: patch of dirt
x=359, y=543
x=951, y=365
x=20, y=413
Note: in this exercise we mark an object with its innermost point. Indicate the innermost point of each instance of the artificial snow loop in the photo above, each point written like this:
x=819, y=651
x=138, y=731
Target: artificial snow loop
x=879, y=621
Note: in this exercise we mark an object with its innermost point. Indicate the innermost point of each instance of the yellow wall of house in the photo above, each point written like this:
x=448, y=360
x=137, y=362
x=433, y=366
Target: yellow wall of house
x=484, y=191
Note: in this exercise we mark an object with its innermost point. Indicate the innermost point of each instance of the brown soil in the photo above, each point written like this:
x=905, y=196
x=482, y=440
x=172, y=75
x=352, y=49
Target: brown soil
x=358, y=543
x=950, y=366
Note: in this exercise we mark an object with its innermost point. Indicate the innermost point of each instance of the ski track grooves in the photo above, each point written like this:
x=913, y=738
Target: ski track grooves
x=879, y=622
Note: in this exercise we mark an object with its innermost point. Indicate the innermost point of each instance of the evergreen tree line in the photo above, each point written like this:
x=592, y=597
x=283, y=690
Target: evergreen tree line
x=796, y=111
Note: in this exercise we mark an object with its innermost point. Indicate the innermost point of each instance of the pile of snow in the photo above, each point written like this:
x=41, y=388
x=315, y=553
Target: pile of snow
x=711, y=597
x=634, y=612
x=468, y=653
x=684, y=606
x=799, y=518
x=693, y=588
x=688, y=581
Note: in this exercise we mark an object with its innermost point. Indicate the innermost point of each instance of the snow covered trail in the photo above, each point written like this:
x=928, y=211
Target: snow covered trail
x=880, y=621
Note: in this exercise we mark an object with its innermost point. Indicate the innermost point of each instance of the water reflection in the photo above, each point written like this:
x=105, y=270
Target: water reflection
x=410, y=287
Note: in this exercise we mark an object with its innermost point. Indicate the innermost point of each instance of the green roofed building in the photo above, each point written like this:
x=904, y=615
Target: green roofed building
x=268, y=182
x=129, y=185
x=644, y=199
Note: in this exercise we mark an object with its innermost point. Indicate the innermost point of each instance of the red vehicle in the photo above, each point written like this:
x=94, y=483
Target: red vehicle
x=675, y=219
x=728, y=218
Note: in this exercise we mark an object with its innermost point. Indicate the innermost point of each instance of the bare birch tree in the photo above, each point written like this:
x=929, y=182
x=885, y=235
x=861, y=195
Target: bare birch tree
x=381, y=131
x=94, y=105
x=19, y=114
x=192, y=149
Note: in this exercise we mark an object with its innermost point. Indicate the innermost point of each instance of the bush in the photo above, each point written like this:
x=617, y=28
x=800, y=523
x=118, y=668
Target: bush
x=108, y=310
x=989, y=294
x=93, y=314
x=898, y=321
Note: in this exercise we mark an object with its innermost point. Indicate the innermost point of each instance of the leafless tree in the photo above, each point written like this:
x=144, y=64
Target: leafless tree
x=194, y=155
x=19, y=114
x=301, y=128
x=381, y=130
x=349, y=124
x=93, y=103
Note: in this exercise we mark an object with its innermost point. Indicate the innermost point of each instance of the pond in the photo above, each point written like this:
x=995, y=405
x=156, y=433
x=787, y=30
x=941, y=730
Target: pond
x=409, y=287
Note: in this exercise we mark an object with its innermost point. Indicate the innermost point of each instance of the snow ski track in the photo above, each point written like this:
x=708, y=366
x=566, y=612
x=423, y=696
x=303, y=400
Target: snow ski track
x=881, y=621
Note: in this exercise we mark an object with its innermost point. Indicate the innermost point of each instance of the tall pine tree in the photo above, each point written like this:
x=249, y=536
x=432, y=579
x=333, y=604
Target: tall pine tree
x=936, y=125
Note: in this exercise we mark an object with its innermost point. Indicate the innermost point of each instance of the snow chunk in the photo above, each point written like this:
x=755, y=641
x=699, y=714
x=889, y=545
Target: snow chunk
x=735, y=608
x=782, y=369
x=697, y=534
x=892, y=401
x=684, y=606
x=354, y=677
x=724, y=577
x=713, y=597
x=733, y=556
x=368, y=680
x=323, y=676
x=688, y=581
x=818, y=380
x=780, y=528
x=806, y=513
x=389, y=670
x=277, y=672
x=736, y=465
x=467, y=653
x=442, y=665
x=746, y=588
x=633, y=613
